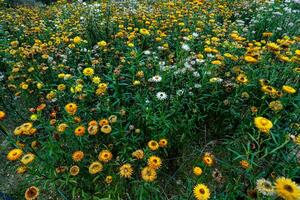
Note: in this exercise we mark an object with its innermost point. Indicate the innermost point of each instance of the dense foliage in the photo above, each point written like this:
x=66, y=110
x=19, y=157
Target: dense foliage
x=152, y=100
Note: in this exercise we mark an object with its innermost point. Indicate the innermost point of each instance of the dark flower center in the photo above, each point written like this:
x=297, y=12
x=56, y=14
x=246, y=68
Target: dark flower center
x=288, y=188
x=202, y=191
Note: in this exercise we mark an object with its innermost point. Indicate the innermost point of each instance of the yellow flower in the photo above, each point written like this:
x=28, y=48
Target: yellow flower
x=14, y=44
x=269, y=90
x=216, y=62
x=61, y=87
x=39, y=85
x=287, y=189
x=88, y=71
x=153, y=145
x=130, y=44
x=102, y=43
x=96, y=80
x=108, y=179
x=297, y=139
x=144, y=31
x=267, y=34
x=250, y=59
x=14, y=154
x=62, y=127
x=71, y=108
x=136, y=82
x=148, y=174
x=21, y=170
x=276, y=105
x=201, y=192
x=154, y=162
x=76, y=39
x=138, y=154
x=105, y=156
x=273, y=46
x=263, y=124
x=33, y=117
x=27, y=158
x=106, y=129
x=288, y=89
x=95, y=167
x=242, y=78
x=126, y=170
x=197, y=171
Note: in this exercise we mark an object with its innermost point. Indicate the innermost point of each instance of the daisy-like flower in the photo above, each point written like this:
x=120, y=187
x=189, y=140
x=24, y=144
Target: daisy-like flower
x=126, y=170
x=161, y=96
x=155, y=78
x=265, y=187
x=287, y=189
x=148, y=174
x=201, y=192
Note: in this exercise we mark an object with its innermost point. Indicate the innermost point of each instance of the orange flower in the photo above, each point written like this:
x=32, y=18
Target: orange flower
x=77, y=156
x=103, y=122
x=41, y=107
x=244, y=164
x=208, y=159
x=14, y=154
x=79, y=131
x=2, y=115
x=93, y=123
x=163, y=142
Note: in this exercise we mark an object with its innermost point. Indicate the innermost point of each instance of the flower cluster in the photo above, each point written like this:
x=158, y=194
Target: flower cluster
x=168, y=99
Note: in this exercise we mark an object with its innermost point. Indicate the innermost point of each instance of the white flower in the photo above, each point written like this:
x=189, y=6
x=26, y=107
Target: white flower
x=195, y=34
x=161, y=62
x=187, y=65
x=209, y=55
x=161, y=95
x=156, y=79
x=197, y=85
x=196, y=74
x=200, y=61
x=265, y=187
x=185, y=47
x=147, y=52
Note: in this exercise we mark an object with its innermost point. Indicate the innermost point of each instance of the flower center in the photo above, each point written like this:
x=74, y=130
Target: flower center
x=202, y=191
x=288, y=188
